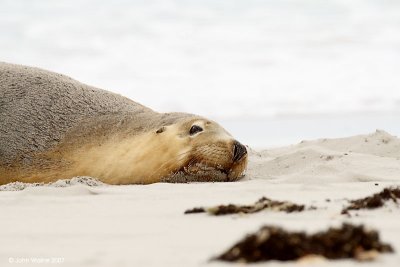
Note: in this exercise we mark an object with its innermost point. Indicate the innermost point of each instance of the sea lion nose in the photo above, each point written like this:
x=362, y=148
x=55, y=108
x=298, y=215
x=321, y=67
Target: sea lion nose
x=239, y=151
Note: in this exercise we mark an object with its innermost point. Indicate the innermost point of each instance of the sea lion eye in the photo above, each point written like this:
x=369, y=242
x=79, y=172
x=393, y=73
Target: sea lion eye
x=195, y=129
x=162, y=129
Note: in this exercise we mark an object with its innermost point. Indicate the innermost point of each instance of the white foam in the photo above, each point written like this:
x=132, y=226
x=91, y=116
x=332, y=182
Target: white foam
x=219, y=58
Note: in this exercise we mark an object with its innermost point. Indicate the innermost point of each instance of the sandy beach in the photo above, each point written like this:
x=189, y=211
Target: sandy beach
x=272, y=73
x=85, y=223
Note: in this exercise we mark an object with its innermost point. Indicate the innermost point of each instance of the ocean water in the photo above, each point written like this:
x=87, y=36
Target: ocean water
x=235, y=60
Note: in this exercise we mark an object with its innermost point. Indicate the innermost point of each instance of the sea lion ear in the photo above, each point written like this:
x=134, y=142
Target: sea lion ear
x=162, y=129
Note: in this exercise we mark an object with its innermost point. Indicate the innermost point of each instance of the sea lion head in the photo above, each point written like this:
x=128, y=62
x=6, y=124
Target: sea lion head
x=170, y=148
x=207, y=152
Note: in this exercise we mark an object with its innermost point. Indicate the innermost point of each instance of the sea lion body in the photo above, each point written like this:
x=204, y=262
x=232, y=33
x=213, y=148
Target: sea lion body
x=53, y=127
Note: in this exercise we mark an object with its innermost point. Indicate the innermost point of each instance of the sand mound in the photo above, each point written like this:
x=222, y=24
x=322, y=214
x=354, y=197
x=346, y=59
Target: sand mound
x=373, y=157
x=79, y=180
x=44, y=191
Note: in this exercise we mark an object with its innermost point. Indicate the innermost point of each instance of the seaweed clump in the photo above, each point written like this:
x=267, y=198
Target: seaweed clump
x=375, y=201
x=261, y=204
x=274, y=243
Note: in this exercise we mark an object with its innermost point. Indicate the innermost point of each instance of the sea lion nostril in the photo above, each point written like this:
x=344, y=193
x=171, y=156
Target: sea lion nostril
x=239, y=151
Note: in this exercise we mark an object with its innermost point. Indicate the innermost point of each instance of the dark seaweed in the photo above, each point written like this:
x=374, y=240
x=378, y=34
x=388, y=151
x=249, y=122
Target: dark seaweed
x=261, y=204
x=274, y=243
x=375, y=201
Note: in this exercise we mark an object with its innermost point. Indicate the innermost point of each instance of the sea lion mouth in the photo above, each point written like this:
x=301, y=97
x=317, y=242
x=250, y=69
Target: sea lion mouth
x=202, y=173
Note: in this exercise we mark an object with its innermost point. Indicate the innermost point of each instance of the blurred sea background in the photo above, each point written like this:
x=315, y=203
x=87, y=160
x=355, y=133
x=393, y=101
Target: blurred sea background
x=272, y=72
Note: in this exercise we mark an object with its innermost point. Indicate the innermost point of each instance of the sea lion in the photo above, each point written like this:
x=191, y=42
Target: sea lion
x=53, y=127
